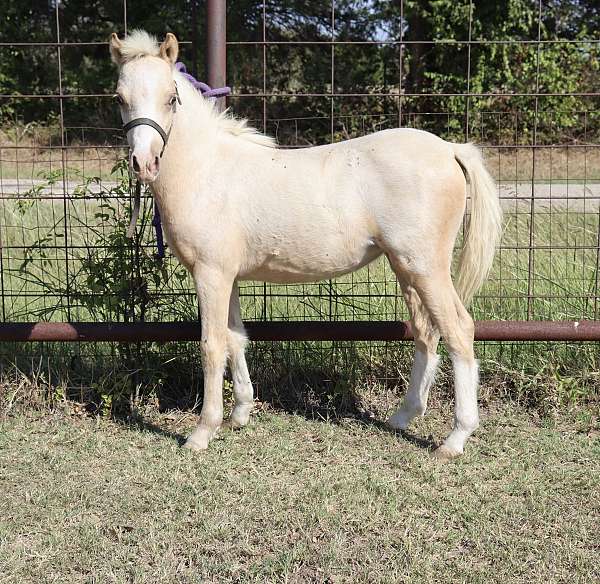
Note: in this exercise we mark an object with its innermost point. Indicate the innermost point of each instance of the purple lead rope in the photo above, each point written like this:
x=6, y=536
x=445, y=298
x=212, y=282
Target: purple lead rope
x=203, y=88
x=160, y=242
x=207, y=92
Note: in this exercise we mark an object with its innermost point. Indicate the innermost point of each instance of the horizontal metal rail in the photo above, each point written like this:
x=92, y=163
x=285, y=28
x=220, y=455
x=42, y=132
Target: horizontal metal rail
x=452, y=42
x=485, y=330
x=339, y=94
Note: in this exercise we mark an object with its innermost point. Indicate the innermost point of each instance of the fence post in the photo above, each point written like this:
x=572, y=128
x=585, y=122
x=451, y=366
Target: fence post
x=216, y=48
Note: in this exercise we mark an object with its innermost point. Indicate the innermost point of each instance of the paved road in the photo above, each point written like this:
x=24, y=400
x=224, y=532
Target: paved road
x=514, y=196
x=555, y=196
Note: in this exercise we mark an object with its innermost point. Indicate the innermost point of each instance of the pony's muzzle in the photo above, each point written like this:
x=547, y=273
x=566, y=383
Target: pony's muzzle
x=145, y=167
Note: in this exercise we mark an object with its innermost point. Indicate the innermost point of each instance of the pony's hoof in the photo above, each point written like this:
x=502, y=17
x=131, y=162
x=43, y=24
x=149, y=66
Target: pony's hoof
x=200, y=438
x=240, y=416
x=195, y=445
x=445, y=454
x=398, y=422
x=232, y=424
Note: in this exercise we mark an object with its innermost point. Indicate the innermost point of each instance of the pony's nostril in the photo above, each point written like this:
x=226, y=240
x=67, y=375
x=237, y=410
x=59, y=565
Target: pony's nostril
x=156, y=162
x=136, y=165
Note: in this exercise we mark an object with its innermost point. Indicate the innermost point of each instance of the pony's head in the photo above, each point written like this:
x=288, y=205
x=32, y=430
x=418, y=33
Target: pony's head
x=146, y=93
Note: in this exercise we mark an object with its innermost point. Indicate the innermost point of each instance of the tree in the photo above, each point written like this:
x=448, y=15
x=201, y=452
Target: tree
x=436, y=61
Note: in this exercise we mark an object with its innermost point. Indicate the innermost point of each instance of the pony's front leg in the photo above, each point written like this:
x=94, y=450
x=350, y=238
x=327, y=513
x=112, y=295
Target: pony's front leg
x=214, y=289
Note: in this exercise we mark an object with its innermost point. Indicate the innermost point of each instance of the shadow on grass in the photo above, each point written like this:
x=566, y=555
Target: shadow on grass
x=319, y=381
x=137, y=422
x=303, y=383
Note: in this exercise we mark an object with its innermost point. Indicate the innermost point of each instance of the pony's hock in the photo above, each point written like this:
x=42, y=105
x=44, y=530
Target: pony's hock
x=235, y=207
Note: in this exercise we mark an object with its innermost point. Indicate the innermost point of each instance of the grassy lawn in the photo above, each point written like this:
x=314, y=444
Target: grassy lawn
x=296, y=500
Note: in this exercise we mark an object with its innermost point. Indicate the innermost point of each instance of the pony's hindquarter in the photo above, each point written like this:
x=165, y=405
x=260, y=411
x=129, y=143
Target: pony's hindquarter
x=437, y=308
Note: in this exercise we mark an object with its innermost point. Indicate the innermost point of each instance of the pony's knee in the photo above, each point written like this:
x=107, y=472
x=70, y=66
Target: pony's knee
x=214, y=353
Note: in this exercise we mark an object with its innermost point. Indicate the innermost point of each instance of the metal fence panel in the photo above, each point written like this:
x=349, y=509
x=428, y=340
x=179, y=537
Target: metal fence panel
x=58, y=225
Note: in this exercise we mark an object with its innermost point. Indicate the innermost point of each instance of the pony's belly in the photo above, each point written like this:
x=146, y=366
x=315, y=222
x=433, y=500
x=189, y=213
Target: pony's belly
x=285, y=270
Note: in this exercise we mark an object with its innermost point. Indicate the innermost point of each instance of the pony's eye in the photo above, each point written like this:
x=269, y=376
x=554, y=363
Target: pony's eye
x=119, y=99
x=173, y=100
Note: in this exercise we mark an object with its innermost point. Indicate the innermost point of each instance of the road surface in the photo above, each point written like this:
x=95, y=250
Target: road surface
x=515, y=196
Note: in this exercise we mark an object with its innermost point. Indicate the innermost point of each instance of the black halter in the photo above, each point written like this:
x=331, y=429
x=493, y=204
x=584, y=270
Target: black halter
x=150, y=122
x=138, y=186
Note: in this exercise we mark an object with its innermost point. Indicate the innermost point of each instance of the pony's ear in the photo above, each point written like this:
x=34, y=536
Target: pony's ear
x=115, y=46
x=169, y=49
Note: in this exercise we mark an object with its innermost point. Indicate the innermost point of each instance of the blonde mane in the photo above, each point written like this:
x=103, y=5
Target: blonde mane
x=239, y=127
x=140, y=44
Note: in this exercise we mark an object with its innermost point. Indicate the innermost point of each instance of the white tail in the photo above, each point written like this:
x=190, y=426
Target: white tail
x=485, y=226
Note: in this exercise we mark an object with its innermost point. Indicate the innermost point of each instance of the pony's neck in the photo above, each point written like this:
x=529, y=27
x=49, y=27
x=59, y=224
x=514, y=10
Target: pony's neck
x=197, y=132
x=191, y=142
x=195, y=121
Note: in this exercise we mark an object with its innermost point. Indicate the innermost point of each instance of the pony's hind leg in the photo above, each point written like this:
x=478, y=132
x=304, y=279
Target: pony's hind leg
x=456, y=327
x=243, y=394
x=425, y=364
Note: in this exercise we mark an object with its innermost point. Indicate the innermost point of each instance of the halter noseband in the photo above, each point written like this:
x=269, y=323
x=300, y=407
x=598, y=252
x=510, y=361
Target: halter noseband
x=152, y=124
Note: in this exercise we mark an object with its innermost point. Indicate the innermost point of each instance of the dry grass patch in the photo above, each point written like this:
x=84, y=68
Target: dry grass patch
x=552, y=164
x=29, y=151
x=295, y=500
x=32, y=152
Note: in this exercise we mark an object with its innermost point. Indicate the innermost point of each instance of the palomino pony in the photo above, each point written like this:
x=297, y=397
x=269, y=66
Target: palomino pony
x=235, y=207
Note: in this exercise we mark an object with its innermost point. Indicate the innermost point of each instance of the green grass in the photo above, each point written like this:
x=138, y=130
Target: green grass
x=563, y=286
x=563, y=283
x=296, y=500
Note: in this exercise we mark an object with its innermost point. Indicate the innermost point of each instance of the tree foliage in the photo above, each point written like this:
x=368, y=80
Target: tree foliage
x=435, y=60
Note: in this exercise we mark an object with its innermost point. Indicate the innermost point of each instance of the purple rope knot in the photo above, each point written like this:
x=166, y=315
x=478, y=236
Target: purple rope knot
x=203, y=88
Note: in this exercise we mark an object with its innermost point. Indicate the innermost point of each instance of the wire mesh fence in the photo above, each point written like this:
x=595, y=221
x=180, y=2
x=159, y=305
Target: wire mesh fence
x=307, y=73
x=546, y=267
x=61, y=204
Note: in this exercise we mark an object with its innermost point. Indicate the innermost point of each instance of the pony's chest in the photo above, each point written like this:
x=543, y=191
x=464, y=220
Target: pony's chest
x=181, y=242
x=192, y=231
